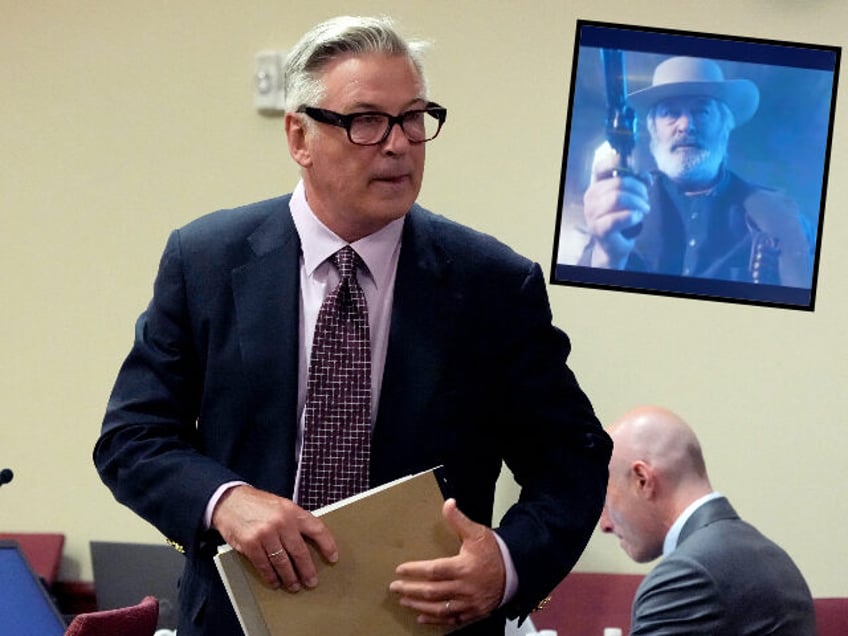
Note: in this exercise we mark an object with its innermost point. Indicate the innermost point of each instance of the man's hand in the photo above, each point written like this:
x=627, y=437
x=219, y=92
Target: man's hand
x=271, y=531
x=612, y=205
x=459, y=589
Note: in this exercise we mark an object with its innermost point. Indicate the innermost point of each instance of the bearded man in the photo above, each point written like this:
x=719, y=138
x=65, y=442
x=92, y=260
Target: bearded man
x=692, y=216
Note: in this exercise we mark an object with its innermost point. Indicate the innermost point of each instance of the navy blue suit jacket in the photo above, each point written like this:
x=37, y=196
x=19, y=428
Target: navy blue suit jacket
x=724, y=578
x=475, y=373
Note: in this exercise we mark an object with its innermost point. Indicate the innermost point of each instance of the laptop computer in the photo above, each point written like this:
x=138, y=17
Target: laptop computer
x=124, y=573
x=26, y=608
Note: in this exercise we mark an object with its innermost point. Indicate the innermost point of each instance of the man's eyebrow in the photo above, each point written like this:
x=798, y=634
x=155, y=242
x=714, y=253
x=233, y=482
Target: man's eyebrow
x=413, y=104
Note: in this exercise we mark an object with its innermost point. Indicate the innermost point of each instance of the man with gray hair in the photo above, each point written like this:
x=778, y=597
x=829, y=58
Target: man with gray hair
x=692, y=216
x=303, y=349
x=718, y=575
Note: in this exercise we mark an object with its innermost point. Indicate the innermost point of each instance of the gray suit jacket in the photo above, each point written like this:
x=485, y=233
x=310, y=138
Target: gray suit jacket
x=724, y=578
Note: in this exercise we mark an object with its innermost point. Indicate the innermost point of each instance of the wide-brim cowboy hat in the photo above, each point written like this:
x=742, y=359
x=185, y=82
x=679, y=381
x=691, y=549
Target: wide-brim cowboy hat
x=695, y=76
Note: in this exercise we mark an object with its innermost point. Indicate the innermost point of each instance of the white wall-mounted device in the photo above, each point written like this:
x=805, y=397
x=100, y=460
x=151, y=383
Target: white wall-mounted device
x=268, y=82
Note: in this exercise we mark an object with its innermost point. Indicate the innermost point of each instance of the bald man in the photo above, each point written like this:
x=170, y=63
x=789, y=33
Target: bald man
x=718, y=575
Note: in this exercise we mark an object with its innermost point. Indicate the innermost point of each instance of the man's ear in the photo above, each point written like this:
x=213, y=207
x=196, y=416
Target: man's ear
x=644, y=478
x=297, y=137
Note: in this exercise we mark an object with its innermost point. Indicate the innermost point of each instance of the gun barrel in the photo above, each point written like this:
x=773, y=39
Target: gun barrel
x=616, y=81
x=621, y=118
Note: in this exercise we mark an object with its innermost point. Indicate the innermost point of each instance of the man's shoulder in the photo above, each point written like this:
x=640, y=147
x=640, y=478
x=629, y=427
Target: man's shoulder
x=762, y=202
x=725, y=544
x=705, y=560
x=730, y=565
x=244, y=217
x=773, y=211
x=705, y=539
x=457, y=240
x=256, y=227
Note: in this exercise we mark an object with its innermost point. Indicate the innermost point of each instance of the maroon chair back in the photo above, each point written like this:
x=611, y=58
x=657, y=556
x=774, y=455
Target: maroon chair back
x=136, y=620
x=831, y=616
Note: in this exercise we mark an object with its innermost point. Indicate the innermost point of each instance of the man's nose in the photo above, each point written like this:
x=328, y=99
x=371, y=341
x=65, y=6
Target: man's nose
x=685, y=121
x=396, y=140
x=604, y=522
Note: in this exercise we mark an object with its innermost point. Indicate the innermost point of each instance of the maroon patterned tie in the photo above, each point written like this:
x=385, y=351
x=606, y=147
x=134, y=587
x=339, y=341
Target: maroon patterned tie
x=337, y=430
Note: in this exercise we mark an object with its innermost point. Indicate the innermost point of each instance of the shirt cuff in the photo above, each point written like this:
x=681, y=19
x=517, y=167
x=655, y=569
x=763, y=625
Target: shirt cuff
x=215, y=498
x=511, y=582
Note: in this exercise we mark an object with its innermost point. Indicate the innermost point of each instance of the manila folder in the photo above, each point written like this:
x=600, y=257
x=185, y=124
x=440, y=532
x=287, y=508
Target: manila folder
x=375, y=531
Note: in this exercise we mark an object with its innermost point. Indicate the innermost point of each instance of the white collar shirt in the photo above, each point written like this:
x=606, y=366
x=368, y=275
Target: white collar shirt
x=380, y=252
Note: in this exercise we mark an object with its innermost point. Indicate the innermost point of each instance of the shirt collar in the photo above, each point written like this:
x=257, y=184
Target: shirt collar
x=673, y=533
x=318, y=242
x=718, y=188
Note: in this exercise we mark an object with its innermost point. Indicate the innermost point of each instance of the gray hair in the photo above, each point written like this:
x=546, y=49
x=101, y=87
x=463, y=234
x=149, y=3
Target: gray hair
x=302, y=70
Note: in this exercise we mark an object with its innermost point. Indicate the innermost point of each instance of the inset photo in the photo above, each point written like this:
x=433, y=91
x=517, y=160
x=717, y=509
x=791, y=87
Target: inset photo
x=695, y=165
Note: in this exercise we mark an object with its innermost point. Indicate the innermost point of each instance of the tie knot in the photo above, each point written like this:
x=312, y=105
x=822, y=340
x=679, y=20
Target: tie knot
x=345, y=260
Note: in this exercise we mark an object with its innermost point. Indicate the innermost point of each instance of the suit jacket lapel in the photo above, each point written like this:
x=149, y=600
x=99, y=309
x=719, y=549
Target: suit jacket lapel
x=418, y=338
x=266, y=292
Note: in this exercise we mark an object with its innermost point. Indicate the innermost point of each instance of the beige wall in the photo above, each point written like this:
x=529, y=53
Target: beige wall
x=121, y=120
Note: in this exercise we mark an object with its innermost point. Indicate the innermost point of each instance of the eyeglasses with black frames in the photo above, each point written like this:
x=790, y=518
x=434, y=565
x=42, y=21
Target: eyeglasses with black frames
x=373, y=127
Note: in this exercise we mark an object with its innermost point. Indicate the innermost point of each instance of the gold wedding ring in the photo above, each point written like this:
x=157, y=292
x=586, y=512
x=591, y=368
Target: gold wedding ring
x=276, y=553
